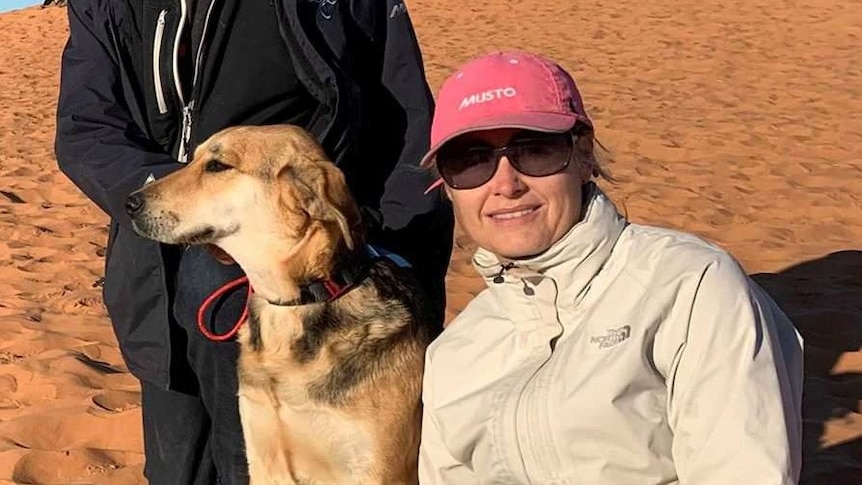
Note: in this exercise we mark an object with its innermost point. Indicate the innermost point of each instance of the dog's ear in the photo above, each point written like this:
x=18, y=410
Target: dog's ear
x=323, y=193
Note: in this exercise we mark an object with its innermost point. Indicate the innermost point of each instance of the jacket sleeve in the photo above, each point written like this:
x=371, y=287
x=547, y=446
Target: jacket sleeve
x=403, y=76
x=98, y=145
x=415, y=225
x=736, y=390
x=437, y=466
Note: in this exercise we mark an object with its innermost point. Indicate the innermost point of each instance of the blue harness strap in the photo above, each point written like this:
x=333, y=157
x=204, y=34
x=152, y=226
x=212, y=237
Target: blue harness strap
x=382, y=253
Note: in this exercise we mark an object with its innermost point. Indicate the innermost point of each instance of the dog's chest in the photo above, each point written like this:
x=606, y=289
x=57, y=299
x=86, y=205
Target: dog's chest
x=280, y=355
x=319, y=444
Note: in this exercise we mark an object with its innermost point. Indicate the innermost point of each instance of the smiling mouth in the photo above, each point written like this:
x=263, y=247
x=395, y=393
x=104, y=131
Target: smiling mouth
x=507, y=216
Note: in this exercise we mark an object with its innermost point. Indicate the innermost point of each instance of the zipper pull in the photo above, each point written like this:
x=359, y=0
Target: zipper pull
x=185, y=136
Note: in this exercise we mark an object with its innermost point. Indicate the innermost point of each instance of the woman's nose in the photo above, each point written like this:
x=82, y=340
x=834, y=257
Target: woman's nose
x=506, y=180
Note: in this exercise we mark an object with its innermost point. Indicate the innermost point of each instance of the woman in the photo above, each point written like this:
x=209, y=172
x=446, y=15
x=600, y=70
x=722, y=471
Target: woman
x=602, y=352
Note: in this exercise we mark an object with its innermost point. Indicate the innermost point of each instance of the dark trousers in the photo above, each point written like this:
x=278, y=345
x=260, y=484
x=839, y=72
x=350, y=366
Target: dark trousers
x=192, y=431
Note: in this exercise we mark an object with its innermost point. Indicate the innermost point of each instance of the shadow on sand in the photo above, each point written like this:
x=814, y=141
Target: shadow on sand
x=823, y=297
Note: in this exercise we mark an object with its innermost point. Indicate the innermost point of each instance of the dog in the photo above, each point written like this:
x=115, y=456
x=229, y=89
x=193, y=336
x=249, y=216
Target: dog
x=332, y=354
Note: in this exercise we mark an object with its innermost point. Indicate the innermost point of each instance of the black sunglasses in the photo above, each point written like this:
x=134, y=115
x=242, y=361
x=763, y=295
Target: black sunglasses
x=467, y=164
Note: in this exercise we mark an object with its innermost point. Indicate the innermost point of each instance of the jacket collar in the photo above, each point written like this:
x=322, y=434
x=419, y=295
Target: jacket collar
x=574, y=260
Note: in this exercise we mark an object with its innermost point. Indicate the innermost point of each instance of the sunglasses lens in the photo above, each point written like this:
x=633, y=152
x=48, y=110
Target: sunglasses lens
x=466, y=167
x=534, y=154
x=540, y=156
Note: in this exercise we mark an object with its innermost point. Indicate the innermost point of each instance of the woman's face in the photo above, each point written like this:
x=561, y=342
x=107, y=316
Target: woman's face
x=514, y=215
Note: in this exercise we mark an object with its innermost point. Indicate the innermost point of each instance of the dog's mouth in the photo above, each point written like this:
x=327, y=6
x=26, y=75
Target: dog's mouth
x=203, y=235
x=194, y=236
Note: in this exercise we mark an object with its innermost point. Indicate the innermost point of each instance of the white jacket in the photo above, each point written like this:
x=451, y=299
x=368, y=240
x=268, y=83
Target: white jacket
x=624, y=355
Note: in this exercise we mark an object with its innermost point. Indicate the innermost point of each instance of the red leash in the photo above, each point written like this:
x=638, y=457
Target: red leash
x=334, y=289
x=331, y=287
x=216, y=294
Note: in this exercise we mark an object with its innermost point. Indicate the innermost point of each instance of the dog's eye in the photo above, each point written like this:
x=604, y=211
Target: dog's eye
x=216, y=166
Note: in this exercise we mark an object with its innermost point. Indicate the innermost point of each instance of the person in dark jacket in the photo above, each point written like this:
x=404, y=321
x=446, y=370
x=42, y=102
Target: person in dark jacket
x=143, y=83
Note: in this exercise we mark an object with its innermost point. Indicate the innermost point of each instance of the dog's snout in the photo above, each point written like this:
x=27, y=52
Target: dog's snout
x=135, y=204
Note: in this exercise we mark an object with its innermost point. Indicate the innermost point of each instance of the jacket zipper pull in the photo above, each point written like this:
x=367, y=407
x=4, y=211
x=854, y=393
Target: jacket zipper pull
x=182, y=153
x=499, y=277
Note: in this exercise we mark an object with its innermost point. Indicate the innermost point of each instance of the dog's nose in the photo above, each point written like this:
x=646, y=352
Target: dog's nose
x=134, y=204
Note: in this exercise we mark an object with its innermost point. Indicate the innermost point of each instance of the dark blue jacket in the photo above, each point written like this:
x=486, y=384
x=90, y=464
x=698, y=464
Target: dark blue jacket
x=119, y=122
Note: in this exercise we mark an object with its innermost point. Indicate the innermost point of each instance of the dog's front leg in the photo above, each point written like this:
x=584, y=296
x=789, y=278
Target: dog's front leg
x=264, y=439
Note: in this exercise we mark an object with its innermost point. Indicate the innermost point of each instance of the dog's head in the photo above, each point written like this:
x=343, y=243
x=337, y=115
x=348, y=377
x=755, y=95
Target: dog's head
x=258, y=193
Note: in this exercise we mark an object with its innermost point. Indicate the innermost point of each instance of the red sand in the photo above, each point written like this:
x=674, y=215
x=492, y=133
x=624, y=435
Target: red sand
x=737, y=120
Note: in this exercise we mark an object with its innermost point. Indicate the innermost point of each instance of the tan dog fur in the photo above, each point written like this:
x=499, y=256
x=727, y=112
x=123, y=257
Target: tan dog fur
x=328, y=393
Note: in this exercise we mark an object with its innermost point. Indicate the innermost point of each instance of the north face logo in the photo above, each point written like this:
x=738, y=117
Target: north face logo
x=613, y=337
x=489, y=95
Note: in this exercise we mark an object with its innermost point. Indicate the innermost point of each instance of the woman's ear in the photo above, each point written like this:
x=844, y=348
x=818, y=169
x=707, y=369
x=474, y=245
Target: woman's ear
x=446, y=192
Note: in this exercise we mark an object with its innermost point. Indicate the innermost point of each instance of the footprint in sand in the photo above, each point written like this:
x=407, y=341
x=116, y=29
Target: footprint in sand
x=117, y=401
x=8, y=387
x=76, y=466
x=10, y=357
x=8, y=384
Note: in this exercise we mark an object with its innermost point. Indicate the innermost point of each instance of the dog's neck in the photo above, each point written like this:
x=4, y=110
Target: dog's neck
x=349, y=270
x=290, y=278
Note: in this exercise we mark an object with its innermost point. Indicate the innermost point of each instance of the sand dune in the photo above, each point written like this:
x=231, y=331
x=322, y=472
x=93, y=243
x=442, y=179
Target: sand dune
x=736, y=120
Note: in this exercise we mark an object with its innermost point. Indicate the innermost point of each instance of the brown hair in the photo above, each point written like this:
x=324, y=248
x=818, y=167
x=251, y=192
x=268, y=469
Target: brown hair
x=585, y=152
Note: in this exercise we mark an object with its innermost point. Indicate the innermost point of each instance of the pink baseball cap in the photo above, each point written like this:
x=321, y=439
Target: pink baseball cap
x=506, y=90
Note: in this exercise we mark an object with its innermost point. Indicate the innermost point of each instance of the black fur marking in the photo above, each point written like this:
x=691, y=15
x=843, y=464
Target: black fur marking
x=352, y=370
x=399, y=294
x=317, y=327
x=394, y=283
x=255, y=340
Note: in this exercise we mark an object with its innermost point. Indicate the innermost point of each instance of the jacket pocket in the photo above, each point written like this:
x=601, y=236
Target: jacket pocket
x=157, y=55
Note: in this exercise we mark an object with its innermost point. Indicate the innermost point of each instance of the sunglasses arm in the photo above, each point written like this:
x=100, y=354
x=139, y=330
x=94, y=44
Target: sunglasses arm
x=437, y=183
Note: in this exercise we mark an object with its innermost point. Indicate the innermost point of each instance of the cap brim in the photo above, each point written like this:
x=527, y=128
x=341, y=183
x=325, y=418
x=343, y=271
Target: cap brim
x=544, y=122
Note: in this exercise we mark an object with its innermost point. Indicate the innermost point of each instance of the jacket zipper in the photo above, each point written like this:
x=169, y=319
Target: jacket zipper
x=186, y=133
x=181, y=156
x=188, y=109
x=162, y=267
x=157, y=68
x=536, y=431
x=523, y=408
x=528, y=411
